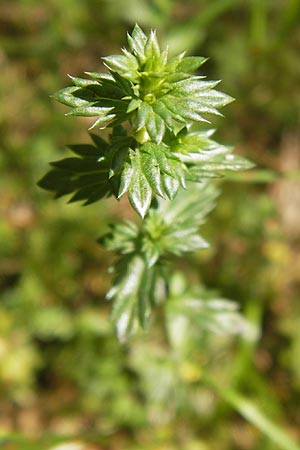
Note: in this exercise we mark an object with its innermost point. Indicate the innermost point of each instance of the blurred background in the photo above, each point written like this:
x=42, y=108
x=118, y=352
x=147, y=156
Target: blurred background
x=63, y=375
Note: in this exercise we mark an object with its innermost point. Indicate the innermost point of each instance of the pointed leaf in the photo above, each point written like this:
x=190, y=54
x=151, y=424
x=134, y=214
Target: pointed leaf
x=83, y=82
x=137, y=42
x=139, y=193
x=155, y=126
x=86, y=150
x=151, y=170
x=190, y=64
x=143, y=114
x=68, y=97
x=126, y=179
x=90, y=111
x=152, y=48
x=171, y=186
x=122, y=63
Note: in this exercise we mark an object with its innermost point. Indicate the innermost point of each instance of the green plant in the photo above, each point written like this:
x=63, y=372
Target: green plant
x=159, y=151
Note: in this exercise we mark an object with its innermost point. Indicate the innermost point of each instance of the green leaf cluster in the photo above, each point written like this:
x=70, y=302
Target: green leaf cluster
x=154, y=105
x=146, y=88
x=142, y=270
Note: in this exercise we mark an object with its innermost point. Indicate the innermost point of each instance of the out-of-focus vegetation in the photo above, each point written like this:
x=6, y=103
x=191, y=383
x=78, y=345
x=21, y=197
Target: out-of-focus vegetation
x=63, y=376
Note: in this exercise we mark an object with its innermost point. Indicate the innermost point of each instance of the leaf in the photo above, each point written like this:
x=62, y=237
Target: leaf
x=189, y=209
x=83, y=82
x=91, y=111
x=137, y=43
x=228, y=162
x=100, y=143
x=86, y=177
x=79, y=165
x=152, y=54
x=182, y=218
x=57, y=181
x=86, y=150
x=122, y=238
x=67, y=97
x=205, y=312
x=160, y=109
x=126, y=178
x=190, y=64
x=125, y=65
x=131, y=295
x=152, y=172
x=192, y=86
x=139, y=192
x=151, y=168
x=143, y=113
x=155, y=126
x=171, y=186
x=118, y=161
x=174, y=110
x=138, y=284
x=134, y=104
x=162, y=156
x=204, y=157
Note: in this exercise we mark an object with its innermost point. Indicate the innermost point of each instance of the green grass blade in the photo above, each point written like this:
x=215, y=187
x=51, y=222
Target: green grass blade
x=256, y=417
